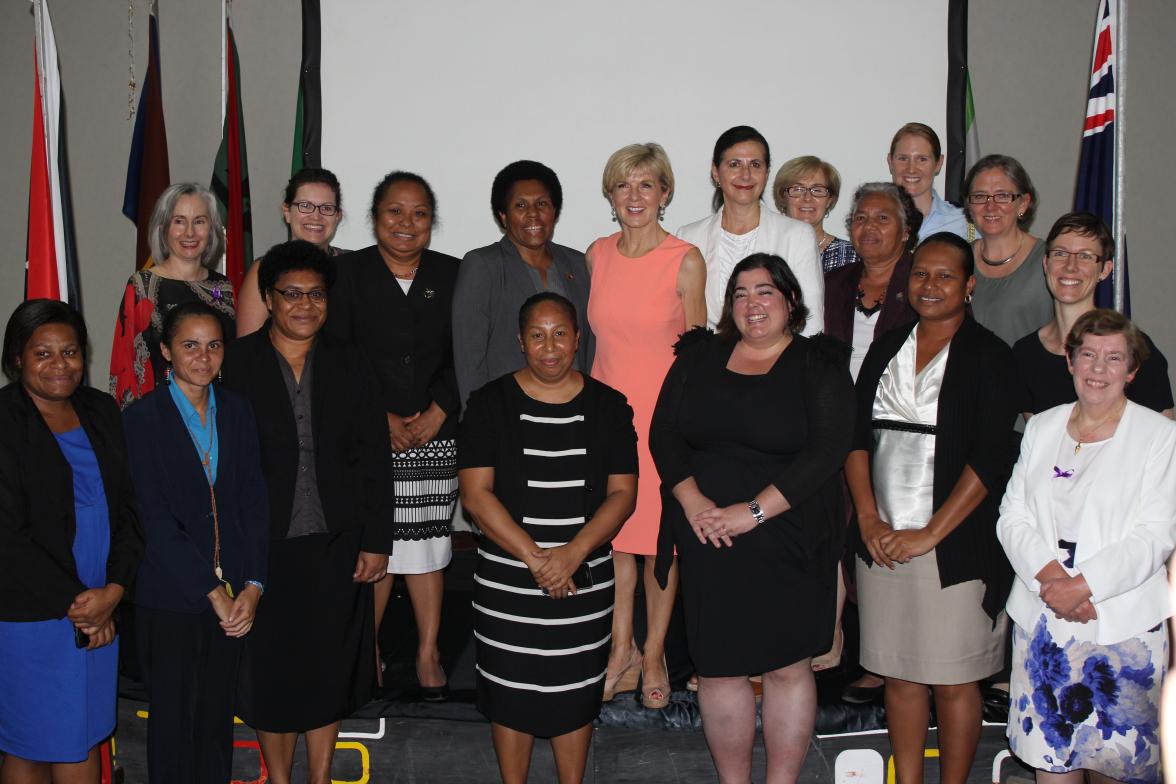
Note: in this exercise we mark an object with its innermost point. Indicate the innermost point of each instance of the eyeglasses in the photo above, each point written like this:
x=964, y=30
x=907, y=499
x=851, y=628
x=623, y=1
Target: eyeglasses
x=1059, y=256
x=798, y=191
x=1000, y=197
x=326, y=210
x=294, y=296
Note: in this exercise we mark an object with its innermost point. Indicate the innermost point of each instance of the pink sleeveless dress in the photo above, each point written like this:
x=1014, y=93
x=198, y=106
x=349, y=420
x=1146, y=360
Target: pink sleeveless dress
x=635, y=312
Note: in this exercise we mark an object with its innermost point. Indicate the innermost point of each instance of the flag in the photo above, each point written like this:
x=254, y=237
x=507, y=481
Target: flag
x=230, y=175
x=1095, y=189
x=147, y=170
x=961, y=127
x=308, y=118
x=51, y=264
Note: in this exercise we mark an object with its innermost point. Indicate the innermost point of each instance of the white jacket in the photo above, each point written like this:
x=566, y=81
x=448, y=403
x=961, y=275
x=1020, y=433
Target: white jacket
x=792, y=240
x=1127, y=529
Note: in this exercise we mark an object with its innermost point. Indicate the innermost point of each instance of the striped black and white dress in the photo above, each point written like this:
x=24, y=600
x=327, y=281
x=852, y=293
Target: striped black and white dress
x=541, y=662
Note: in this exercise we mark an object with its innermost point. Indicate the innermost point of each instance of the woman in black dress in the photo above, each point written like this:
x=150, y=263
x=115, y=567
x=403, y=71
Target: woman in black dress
x=310, y=660
x=749, y=435
x=549, y=471
x=394, y=301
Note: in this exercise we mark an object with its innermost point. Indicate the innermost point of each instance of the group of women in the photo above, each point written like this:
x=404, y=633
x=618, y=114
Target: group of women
x=859, y=395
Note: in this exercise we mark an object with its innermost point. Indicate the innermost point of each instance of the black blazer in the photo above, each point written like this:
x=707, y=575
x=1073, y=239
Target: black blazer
x=38, y=576
x=978, y=404
x=841, y=287
x=173, y=495
x=352, y=452
x=407, y=337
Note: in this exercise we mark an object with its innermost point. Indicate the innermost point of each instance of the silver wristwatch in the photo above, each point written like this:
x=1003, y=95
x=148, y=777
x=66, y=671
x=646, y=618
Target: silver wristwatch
x=756, y=511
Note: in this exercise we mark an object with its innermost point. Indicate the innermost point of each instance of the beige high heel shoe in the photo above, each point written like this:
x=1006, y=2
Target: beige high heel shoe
x=625, y=680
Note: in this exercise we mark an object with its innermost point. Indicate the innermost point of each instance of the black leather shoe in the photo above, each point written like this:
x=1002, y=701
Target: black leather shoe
x=435, y=693
x=860, y=695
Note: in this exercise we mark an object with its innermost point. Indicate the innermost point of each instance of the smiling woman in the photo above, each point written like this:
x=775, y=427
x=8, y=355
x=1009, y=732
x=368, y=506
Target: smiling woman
x=395, y=301
x=187, y=241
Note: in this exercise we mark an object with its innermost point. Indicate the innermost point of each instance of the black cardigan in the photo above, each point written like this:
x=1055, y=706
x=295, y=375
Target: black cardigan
x=38, y=576
x=490, y=422
x=978, y=404
x=841, y=287
x=408, y=338
x=352, y=452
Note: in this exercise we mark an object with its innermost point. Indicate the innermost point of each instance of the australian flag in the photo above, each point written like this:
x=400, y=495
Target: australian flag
x=1095, y=191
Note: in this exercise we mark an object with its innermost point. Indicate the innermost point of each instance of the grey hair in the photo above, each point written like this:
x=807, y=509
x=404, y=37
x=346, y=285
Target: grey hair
x=908, y=213
x=161, y=218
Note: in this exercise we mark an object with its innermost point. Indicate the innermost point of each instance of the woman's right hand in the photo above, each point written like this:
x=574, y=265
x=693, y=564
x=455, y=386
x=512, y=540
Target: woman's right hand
x=222, y=603
x=693, y=503
x=398, y=434
x=102, y=637
x=873, y=528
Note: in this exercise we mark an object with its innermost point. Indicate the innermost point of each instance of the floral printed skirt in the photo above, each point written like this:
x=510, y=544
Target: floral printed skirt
x=1080, y=705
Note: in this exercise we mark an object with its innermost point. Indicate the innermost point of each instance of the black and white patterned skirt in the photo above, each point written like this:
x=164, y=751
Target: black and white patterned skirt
x=425, y=482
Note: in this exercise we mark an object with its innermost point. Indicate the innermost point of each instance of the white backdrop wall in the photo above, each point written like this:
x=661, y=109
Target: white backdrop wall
x=456, y=90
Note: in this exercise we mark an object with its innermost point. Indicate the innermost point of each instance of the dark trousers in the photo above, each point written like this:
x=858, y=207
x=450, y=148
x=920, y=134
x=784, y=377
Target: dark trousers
x=190, y=670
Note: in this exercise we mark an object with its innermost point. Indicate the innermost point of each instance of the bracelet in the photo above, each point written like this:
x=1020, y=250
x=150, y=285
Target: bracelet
x=260, y=587
x=756, y=511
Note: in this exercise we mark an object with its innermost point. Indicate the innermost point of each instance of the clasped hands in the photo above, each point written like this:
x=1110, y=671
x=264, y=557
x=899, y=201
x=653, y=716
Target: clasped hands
x=235, y=613
x=887, y=546
x=718, y=525
x=1067, y=596
x=91, y=611
x=416, y=430
x=553, y=567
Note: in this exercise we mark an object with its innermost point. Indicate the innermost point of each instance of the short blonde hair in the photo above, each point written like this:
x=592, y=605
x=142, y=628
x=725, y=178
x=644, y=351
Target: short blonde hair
x=650, y=157
x=161, y=216
x=791, y=172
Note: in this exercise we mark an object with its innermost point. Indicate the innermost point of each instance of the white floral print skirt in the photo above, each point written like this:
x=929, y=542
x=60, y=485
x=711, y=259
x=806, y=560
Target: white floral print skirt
x=1076, y=704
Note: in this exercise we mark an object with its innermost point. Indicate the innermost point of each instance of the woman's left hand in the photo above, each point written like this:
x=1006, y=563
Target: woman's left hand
x=908, y=543
x=91, y=609
x=1065, y=595
x=554, y=575
x=370, y=568
x=240, y=619
x=102, y=636
x=424, y=426
x=721, y=523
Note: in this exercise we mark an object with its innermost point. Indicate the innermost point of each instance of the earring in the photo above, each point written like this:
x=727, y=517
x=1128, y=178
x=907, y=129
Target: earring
x=614, y=214
x=967, y=299
x=220, y=375
x=661, y=212
x=167, y=375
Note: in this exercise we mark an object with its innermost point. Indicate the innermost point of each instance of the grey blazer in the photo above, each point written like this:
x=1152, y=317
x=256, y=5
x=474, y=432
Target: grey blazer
x=492, y=284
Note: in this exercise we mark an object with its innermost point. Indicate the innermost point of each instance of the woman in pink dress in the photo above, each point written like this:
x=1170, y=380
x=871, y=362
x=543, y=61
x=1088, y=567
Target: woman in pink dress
x=647, y=289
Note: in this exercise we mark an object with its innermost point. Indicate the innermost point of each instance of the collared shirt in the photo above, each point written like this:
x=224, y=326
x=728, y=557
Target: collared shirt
x=306, y=514
x=203, y=434
x=943, y=217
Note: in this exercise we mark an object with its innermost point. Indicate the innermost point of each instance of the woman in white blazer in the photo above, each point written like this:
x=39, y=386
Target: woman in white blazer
x=1088, y=522
x=742, y=225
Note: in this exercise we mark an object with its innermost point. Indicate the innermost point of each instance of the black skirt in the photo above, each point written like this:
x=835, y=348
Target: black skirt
x=310, y=659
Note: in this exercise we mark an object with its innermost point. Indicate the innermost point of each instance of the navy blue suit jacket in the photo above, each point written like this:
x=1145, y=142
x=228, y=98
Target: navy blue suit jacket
x=174, y=503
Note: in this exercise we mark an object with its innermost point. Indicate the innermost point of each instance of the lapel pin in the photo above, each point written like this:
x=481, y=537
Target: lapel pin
x=429, y=293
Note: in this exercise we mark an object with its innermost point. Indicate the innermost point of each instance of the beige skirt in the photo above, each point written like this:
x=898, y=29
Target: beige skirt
x=913, y=629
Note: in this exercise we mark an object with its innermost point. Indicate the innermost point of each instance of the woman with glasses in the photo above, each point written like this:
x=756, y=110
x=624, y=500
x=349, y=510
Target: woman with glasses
x=1010, y=297
x=310, y=660
x=741, y=225
x=394, y=299
x=312, y=208
x=806, y=188
x=187, y=241
x=1079, y=253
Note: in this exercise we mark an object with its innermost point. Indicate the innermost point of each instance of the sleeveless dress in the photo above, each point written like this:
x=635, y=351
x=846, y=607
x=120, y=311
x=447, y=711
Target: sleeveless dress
x=635, y=311
x=911, y=627
x=56, y=701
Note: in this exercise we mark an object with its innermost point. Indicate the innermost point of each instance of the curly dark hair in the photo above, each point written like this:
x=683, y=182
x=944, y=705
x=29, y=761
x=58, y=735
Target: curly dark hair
x=782, y=278
x=518, y=172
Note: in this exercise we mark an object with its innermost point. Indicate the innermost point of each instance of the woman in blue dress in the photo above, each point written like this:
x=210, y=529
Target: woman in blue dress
x=70, y=542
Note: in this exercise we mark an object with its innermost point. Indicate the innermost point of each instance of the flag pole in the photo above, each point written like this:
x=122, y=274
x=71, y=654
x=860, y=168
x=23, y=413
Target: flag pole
x=1120, y=148
x=224, y=74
